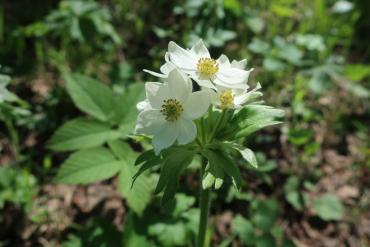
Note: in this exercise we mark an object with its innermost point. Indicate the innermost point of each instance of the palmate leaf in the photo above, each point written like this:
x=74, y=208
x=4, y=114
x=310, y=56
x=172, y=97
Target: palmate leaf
x=90, y=96
x=81, y=133
x=138, y=196
x=175, y=161
x=88, y=166
x=221, y=161
x=250, y=119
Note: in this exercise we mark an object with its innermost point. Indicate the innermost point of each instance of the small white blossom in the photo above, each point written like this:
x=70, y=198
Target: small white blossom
x=169, y=110
x=206, y=71
x=233, y=98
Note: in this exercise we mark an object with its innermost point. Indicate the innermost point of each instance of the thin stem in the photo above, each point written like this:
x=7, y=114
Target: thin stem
x=204, y=206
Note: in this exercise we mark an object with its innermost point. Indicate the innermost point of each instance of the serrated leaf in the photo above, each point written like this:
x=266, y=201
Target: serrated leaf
x=90, y=96
x=125, y=112
x=254, y=117
x=87, y=166
x=138, y=196
x=81, y=133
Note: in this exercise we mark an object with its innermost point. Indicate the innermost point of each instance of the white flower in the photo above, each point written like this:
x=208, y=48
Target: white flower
x=170, y=110
x=233, y=98
x=206, y=71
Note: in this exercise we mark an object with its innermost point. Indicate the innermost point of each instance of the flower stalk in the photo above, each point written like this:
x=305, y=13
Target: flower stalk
x=204, y=208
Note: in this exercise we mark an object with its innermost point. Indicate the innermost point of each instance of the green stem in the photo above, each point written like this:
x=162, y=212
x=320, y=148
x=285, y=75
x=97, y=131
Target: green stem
x=204, y=206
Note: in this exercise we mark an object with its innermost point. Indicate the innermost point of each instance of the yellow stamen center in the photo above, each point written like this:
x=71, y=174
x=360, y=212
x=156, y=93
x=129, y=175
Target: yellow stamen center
x=207, y=67
x=171, y=109
x=226, y=98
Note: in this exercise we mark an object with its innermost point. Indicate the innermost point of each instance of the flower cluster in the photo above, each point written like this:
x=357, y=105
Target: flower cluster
x=171, y=107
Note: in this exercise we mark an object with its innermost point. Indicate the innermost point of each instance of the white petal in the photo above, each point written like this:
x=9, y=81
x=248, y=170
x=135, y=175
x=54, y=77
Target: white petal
x=239, y=64
x=179, y=85
x=149, y=122
x=231, y=76
x=203, y=83
x=165, y=137
x=182, y=58
x=167, y=68
x=244, y=97
x=155, y=73
x=156, y=92
x=200, y=50
x=242, y=86
x=223, y=60
x=197, y=104
x=187, y=131
x=143, y=105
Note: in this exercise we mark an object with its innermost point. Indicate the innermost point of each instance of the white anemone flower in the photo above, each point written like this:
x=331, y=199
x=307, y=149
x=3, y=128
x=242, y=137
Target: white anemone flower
x=206, y=71
x=169, y=112
x=233, y=98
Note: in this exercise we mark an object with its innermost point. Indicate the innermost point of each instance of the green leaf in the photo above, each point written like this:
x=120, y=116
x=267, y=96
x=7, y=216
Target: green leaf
x=87, y=166
x=293, y=194
x=266, y=240
x=249, y=156
x=244, y=229
x=264, y=213
x=81, y=133
x=175, y=161
x=138, y=196
x=357, y=72
x=259, y=46
x=221, y=161
x=125, y=112
x=254, y=117
x=90, y=96
x=328, y=207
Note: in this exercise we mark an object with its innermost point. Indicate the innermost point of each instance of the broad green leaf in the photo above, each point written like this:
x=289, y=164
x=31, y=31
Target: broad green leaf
x=293, y=194
x=249, y=156
x=125, y=112
x=169, y=234
x=259, y=46
x=88, y=166
x=357, y=72
x=328, y=207
x=265, y=240
x=244, y=229
x=81, y=133
x=138, y=196
x=264, y=213
x=90, y=96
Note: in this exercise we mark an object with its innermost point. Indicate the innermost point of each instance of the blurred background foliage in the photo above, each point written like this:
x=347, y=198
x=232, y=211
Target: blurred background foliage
x=312, y=58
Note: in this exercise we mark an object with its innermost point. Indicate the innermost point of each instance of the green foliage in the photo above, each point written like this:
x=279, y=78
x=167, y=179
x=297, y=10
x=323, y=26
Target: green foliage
x=328, y=207
x=17, y=186
x=91, y=162
x=143, y=185
x=97, y=232
x=82, y=133
x=90, y=96
x=89, y=165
